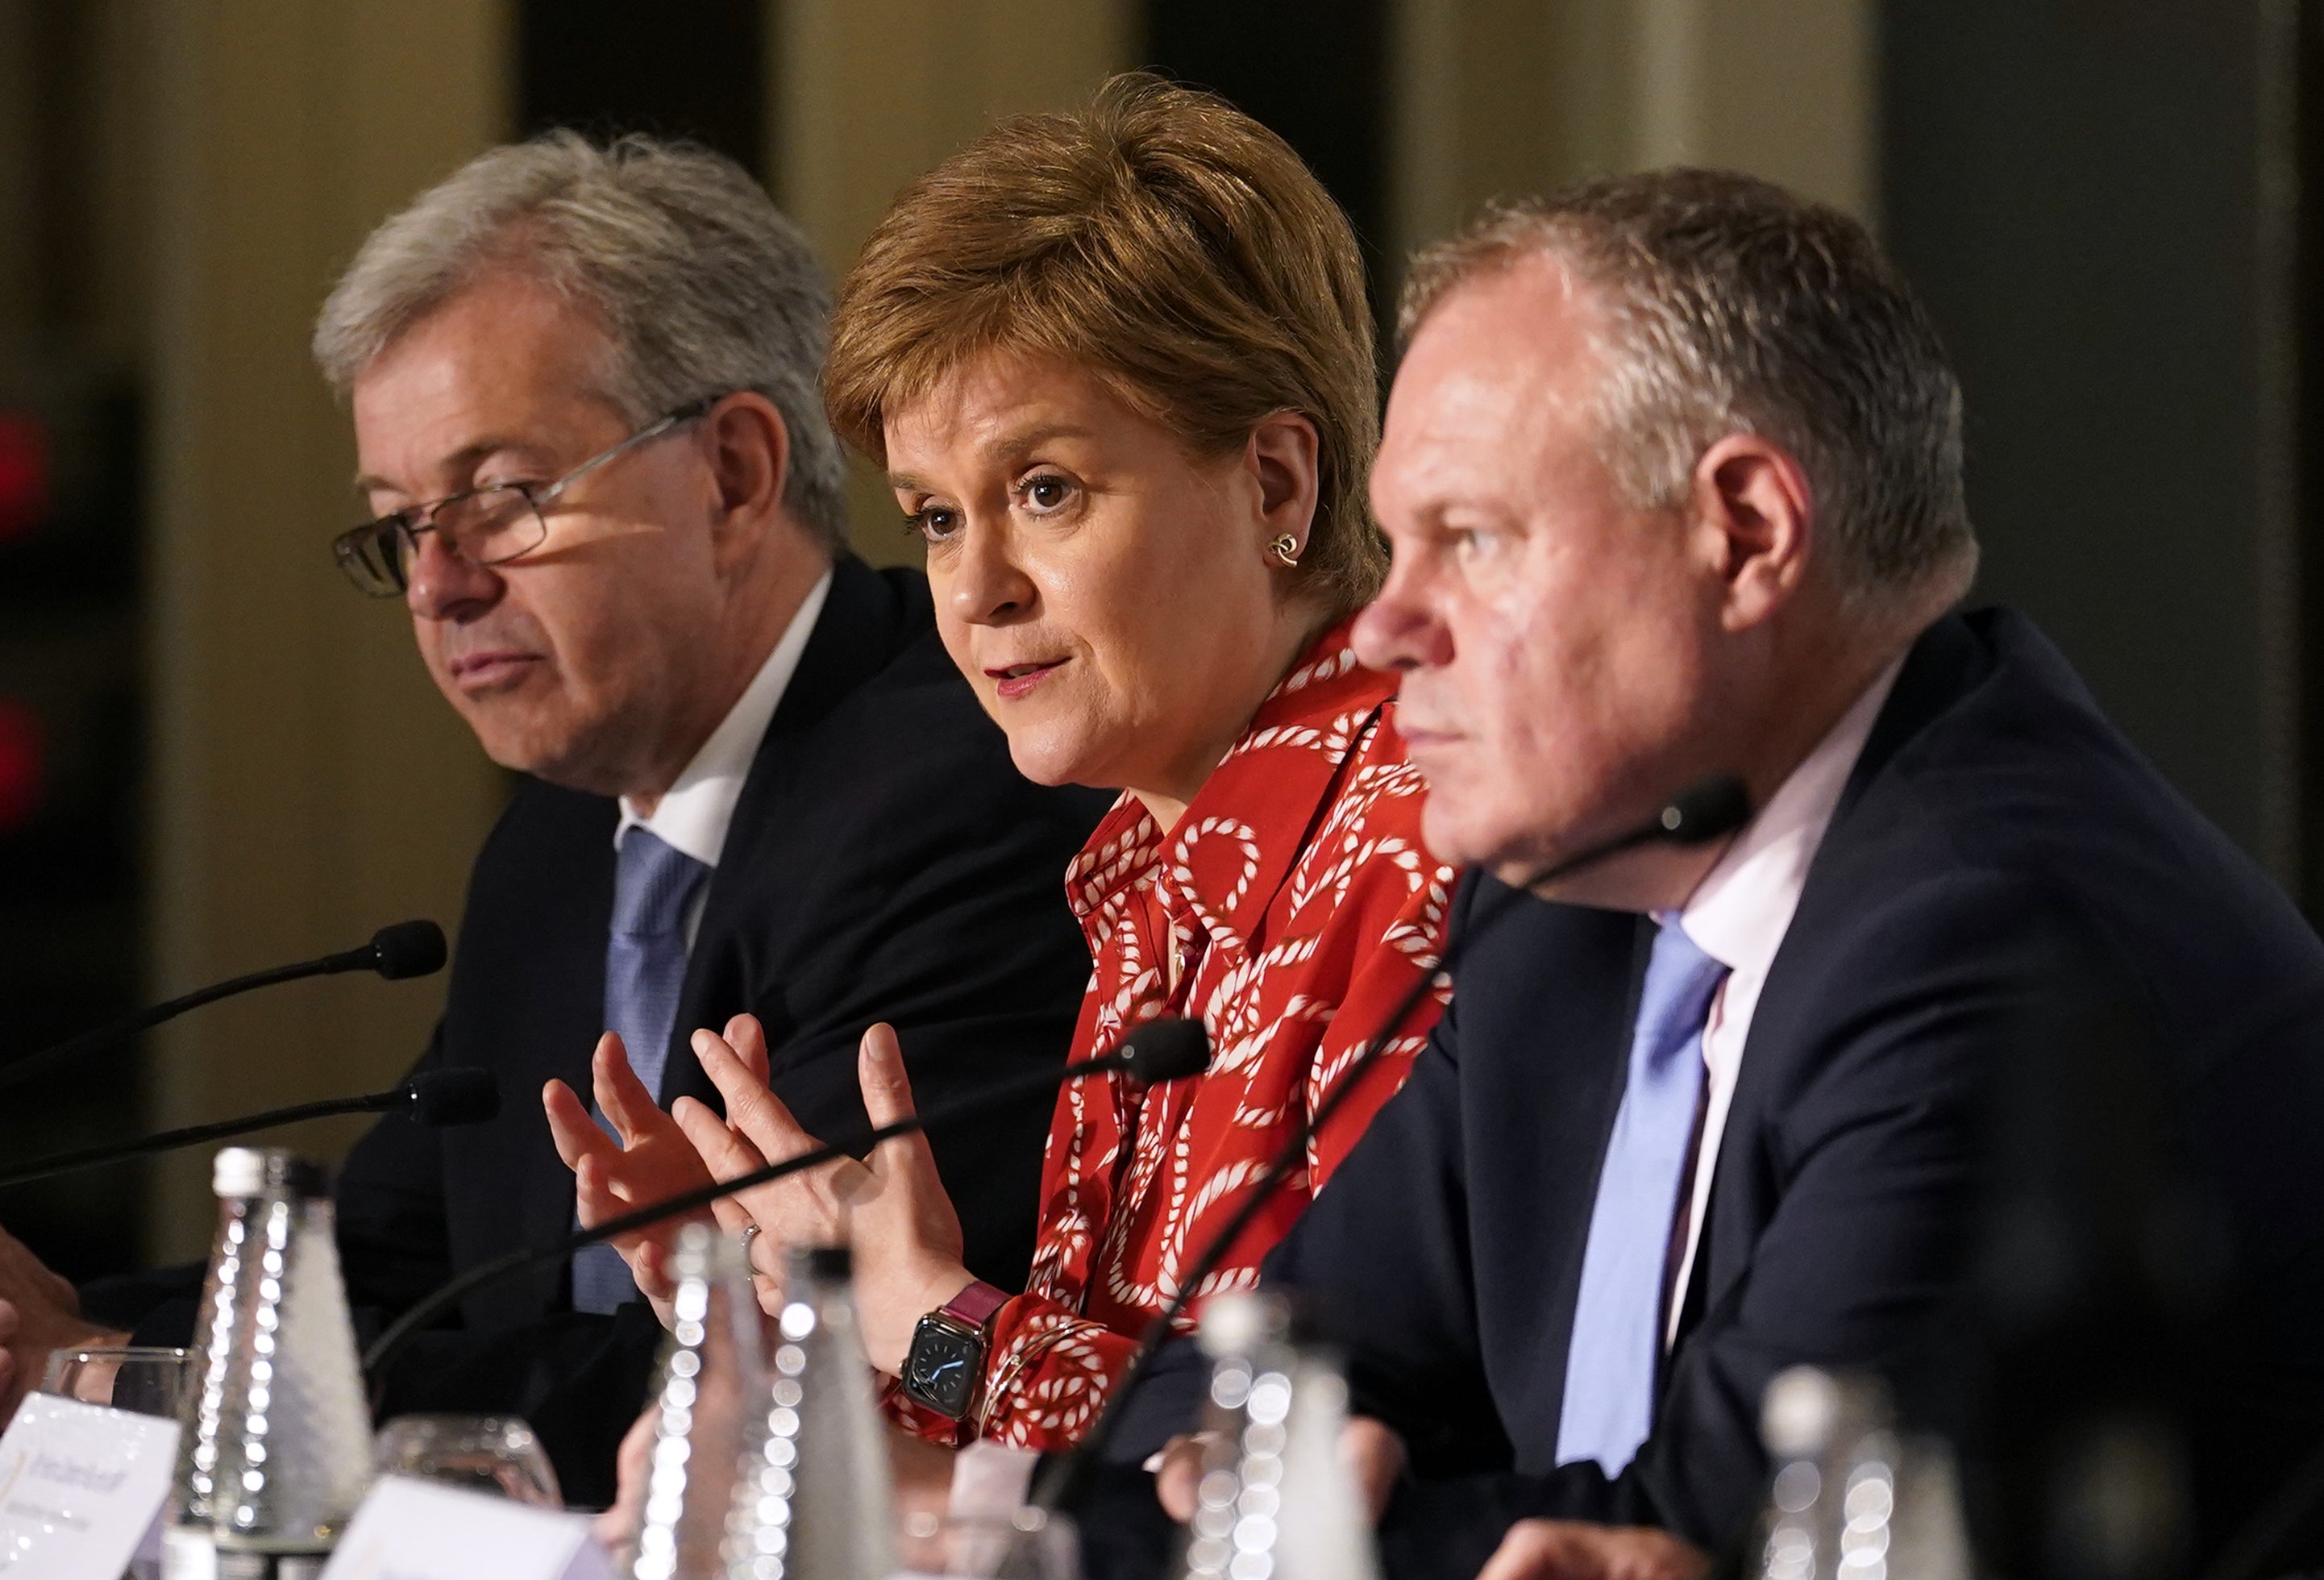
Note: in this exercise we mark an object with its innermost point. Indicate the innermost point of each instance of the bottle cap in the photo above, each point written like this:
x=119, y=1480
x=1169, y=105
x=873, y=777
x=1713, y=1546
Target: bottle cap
x=264, y=1170
x=1239, y=1320
x=1806, y=1411
x=1800, y=1413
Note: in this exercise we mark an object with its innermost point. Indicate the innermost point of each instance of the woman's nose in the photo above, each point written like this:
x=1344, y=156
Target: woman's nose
x=987, y=585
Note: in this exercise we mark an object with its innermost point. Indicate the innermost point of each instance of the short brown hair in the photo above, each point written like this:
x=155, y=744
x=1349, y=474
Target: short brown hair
x=1161, y=238
x=1733, y=306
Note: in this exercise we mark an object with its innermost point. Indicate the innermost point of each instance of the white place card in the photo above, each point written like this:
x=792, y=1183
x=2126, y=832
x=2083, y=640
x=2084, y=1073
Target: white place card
x=82, y=1489
x=411, y=1529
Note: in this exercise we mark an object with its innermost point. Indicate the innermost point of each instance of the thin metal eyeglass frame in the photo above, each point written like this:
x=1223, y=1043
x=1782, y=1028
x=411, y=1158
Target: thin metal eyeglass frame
x=347, y=548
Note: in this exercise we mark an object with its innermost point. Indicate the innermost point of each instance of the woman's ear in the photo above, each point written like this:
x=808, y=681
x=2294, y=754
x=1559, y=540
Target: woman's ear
x=1755, y=514
x=1283, y=458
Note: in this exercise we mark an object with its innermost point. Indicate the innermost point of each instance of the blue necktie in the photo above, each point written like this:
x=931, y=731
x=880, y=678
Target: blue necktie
x=645, y=970
x=1609, y=1361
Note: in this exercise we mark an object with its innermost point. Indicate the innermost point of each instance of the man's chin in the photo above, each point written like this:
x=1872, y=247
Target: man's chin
x=1515, y=856
x=555, y=756
x=1461, y=841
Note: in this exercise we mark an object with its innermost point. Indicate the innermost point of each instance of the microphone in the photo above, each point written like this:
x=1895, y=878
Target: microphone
x=1708, y=809
x=405, y=948
x=1158, y=1051
x=435, y=1098
x=397, y=951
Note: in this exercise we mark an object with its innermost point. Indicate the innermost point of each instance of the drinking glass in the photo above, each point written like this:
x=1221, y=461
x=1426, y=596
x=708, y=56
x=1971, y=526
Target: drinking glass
x=141, y=1378
x=494, y=1455
x=1028, y=1545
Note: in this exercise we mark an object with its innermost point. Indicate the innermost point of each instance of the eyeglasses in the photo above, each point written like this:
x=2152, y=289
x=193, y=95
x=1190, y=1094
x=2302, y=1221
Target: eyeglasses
x=483, y=526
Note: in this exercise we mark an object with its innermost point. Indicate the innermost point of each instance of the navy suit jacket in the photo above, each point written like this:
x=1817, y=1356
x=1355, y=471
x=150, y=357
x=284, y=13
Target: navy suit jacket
x=885, y=861
x=2022, y=971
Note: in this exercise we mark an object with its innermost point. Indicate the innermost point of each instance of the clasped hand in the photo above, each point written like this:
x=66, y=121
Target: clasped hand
x=891, y=1208
x=39, y=1312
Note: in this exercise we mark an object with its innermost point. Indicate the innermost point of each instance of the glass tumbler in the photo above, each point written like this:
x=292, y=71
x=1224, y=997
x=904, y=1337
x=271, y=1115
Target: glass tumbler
x=497, y=1456
x=142, y=1380
x=1028, y=1545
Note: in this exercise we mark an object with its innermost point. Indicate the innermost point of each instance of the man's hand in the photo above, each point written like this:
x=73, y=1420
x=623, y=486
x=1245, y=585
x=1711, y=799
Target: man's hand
x=894, y=1210
x=39, y=1312
x=1376, y=1457
x=652, y=1160
x=616, y=1528
x=1570, y=1550
x=1178, y=1474
x=1374, y=1454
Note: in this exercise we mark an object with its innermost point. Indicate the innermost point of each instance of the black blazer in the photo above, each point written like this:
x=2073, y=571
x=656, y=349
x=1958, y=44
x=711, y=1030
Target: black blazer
x=2012, y=927
x=885, y=861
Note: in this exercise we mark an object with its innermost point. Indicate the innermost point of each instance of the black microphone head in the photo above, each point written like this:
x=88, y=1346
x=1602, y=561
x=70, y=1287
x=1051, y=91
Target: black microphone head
x=1705, y=811
x=1166, y=1050
x=461, y=1095
x=407, y=949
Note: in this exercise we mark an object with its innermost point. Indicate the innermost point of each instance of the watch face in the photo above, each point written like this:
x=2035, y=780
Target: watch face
x=941, y=1371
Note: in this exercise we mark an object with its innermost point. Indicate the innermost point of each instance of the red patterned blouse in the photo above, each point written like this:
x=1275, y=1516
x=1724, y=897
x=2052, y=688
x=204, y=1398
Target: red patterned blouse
x=1291, y=907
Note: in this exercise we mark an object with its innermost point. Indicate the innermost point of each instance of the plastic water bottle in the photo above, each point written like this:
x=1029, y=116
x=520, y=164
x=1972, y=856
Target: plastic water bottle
x=277, y=1453
x=1276, y=1501
x=1931, y=1532
x=710, y=1401
x=1850, y=1498
x=815, y=1501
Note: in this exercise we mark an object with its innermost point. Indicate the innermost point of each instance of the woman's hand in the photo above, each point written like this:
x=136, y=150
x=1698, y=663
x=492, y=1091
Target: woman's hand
x=904, y=1233
x=653, y=1161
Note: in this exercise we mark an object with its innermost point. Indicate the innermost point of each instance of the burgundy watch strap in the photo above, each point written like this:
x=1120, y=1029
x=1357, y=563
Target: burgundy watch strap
x=976, y=1303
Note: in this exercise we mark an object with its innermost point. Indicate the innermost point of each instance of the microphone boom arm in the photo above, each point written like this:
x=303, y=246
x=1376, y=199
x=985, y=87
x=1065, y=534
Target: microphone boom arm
x=434, y=1098
x=193, y=1135
x=401, y=951
x=32, y=1064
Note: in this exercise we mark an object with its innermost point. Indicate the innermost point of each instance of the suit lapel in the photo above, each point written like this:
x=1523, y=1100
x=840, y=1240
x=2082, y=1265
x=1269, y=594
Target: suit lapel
x=567, y=986
x=1945, y=664
x=853, y=639
x=1544, y=1122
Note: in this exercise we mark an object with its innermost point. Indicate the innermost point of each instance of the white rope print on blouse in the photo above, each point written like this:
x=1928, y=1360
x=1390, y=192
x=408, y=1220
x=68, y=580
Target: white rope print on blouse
x=1231, y=1011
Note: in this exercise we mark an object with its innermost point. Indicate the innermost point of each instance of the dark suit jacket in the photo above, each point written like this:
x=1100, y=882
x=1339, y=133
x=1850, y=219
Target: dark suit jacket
x=2017, y=949
x=885, y=861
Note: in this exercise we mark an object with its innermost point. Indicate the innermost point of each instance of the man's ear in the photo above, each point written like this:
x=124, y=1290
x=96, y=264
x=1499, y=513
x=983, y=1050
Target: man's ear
x=750, y=452
x=1756, y=514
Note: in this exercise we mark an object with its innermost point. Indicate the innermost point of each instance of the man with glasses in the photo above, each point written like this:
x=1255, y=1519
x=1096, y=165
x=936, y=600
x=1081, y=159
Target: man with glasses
x=584, y=383
x=487, y=526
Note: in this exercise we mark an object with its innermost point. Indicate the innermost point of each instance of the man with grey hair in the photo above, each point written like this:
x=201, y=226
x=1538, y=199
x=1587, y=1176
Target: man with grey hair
x=1671, y=472
x=584, y=387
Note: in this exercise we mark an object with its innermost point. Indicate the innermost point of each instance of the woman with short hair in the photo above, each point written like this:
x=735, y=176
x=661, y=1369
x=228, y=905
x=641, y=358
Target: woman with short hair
x=1118, y=365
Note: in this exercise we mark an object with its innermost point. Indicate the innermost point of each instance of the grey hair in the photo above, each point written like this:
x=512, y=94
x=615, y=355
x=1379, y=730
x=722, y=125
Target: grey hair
x=1730, y=306
x=702, y=286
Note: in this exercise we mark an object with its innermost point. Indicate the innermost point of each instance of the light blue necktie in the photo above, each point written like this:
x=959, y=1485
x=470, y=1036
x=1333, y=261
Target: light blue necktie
x=645, y=970
x=1609, y=1361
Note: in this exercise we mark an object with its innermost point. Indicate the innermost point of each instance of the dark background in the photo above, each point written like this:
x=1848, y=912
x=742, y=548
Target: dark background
x=2111, y=208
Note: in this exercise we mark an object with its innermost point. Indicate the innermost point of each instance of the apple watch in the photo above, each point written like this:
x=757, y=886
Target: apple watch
x=945, y=1368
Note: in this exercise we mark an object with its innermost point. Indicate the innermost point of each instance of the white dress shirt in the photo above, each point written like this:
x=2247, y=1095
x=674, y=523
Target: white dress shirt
x=692, y=814
x=1738, y=914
